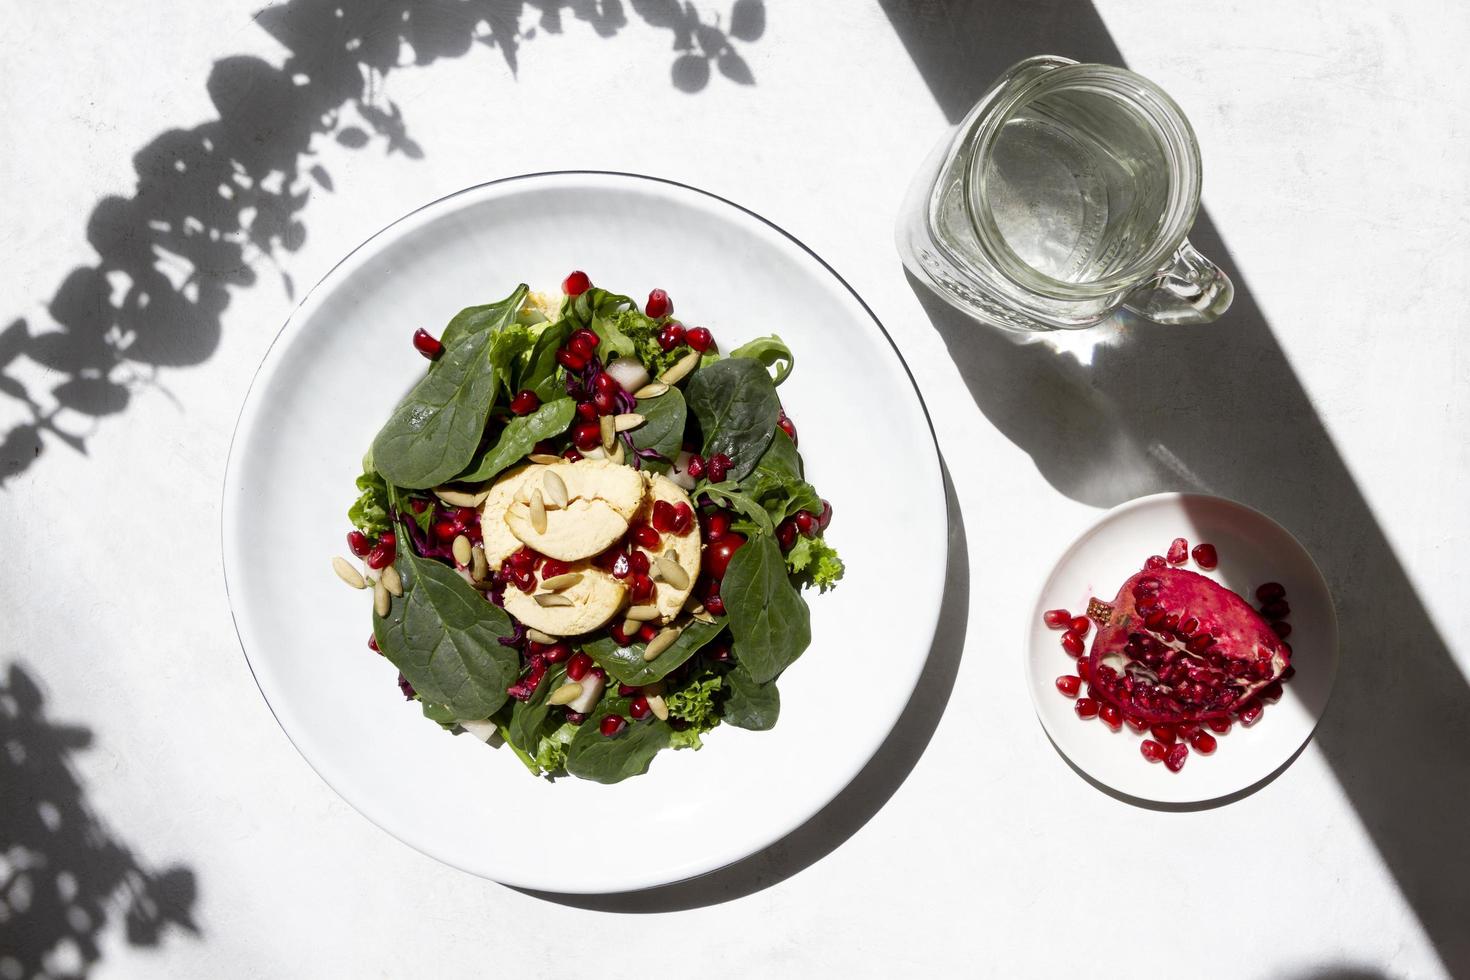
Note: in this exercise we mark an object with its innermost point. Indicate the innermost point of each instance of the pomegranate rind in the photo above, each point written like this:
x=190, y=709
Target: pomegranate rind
x=1152, y=672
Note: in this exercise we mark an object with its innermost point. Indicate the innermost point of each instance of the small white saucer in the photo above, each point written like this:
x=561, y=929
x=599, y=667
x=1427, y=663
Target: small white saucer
x=1253, y=549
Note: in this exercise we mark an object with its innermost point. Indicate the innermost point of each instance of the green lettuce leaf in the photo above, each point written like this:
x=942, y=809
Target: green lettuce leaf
x=369, y=513
x=815, y=562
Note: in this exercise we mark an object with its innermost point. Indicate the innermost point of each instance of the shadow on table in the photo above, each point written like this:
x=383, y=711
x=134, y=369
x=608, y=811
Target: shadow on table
x=218, y=204
x=863, y=797
x=61, y=870
x=1218, y=409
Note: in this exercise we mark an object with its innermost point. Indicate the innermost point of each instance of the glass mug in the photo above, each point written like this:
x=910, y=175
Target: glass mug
x=1065, y=194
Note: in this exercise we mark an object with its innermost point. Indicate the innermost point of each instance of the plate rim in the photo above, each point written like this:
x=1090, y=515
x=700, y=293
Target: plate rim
x=1029, y=676
x=692, y=869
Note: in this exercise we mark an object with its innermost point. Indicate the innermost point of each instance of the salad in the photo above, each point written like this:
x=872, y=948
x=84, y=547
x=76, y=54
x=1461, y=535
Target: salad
x=587, y=531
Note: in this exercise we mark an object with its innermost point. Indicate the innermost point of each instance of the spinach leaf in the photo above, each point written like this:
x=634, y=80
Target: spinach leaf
x=626, y=664
x=434, y=431
x=519, y=437
x=768, y=618
x=601, y=759
x=737, y=407
x=776, y=482
x=439, y=713
x=444, y=636
x=780, y=462
x=529, y=720
x=662, y=429
x=770, y=351
x=754, y=707
x=540, y=371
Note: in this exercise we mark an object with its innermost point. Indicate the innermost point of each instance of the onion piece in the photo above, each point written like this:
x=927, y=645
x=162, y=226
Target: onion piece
x=679, y=472
x=628, y=372
x=483, y=730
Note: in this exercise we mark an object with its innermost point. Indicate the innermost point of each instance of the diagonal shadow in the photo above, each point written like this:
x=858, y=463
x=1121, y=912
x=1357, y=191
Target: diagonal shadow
x=1219, y=409
x=851, y=809
x=61, y=869
x=218, y=204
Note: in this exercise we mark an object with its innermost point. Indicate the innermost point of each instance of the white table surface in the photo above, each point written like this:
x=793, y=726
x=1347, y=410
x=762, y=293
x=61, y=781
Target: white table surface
x=1334, y=397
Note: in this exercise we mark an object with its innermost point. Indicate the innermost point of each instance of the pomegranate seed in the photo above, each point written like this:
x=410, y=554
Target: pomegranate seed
x=587, y=412
x=537, y=649
x=1136, y=723
x=718, y=652
x=551, y=568
x=621, y=638
x=647, y=632
x=1155, y=561
x=715, y=605
x=605, y=404
x=1057, y=619
x=579, y=345
x=1281, y=628
x=694, y=466
x=786, y=535
x=556, y=653
x=1272, y=692
x=1279, y=609
x=1218, y=725
x=571, y=360
x=1205, y=556
x=638, y=563
x=659, y=305
x=576, y=284
x=715, y=525
x=613, y=725
x=578, y=666
x=419, y=504
x=645, y=537
x=1176, y=758
x=1086, y=708
x=670, y=336
x=1083, y=667
x=586, y=435
x=1178, y=551
x=626, y=690
x=1111, y=716
x=663, y=516
x=718, y=554
x=586, y=338
x=522, y=559
x=381, y=556
x=525, y=402
x=639, y=708
x=570, y=455
x=1069, y=684
x=1200, y=643
x=1290, y=671
x=1271, y=591
x=787, y=426
x=1156, y=619
x=1072, y=643
x=683, y=518
x=1153, y=751
x=640, y=587
x=825, y=517
x=1163, y=733
x=1250, y=714
x=699, y=338
x=358, y=543
x=576, y=717
x=427, y=344
x=526, y=582
x=718, y=467
x=373, y=644
x=1202, y=742
x=806, y=523
x=1079, y=625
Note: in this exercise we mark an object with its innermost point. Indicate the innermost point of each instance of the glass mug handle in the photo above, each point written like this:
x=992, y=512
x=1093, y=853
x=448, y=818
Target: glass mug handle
x=1192, y=290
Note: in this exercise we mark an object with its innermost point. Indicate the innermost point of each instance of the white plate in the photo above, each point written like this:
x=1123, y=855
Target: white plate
x=1253, y=549
x=330, y=380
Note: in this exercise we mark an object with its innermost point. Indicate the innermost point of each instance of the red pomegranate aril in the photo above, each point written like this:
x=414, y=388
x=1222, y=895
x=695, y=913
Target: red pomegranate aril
x=1164, y=733
x=1083, y=668
x=612, y=725
x=418, y=504
x=525, y=402
x=576, y=284
x=1057, y=619
x=659, y=305
x=1155, y=561
x=1178, y=552
x=1218, y=725
x=1072, y=643
x=647, y=632
x=1281, y=628
x=587, y=412
x=581, y=347
x=576, y=717
x=683, y=518
x=1272, y=692
x=388, y=540
x=1086, y=708
x=789, y=427
x=718, y=467
x=1250, y=713
x=381, y=556
x=604, y=403
x=639, y=707
x=358, y=543
x=806, y=523
x=1279, y=609
x=571, y=360
x=536, y=649
x=716, y=525
x=638, y=563
x=526, y=582
x=1290, y=671
x=645, y=537
x=1202, y=742
x=1069, y=684
x=663, y=516
x=1079, y=625
x=1136, y=723
x=427, y=344
x=786, y=535
x=825, y=517
x=715, y=605
x=626, y=690
x=1270, y=592
x=718, y=554
x=1111, y=716
x=373, y=643
x=1199, y=643
x=570, y=455
x=551, y=568
x=640, y=587
x=586, y=435
x=557, y=652
x=606, y=383
x=588, y=339
x=670, y=336
x=1176, y=758
x=1152, y=751
x=699, y=338
x=620, y=637
x=1205, y=555
x=578, y=666
x=694, y=466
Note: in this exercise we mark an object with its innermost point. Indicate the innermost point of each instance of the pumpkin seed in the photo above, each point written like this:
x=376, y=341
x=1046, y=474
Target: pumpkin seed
x=558, y=582
x=391, y=580
x=609, y=433
x=541, y=637
x=479, y=564
x=546, y=459
x=381, y=602
x=681, y=368
x=617, y=454
x=546, y=600
x=463, y=550
x=626, y=421
x=457, y=498
x=538, y=512
x=651, y=390
x=659, y=706
x=660, y=643
x=347, y=573
x=670, y=572
x=642, y=613
x=565, y=694
x=631, y=626
x=556, y=489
